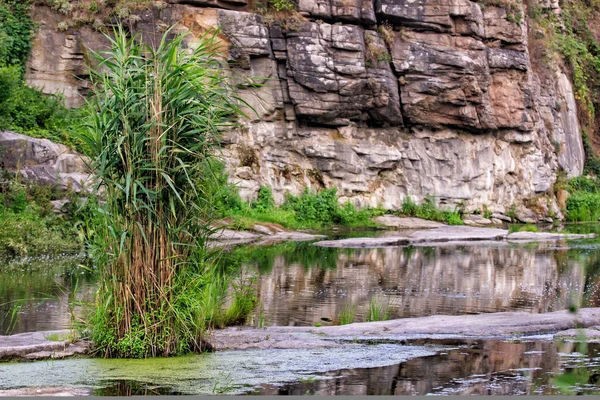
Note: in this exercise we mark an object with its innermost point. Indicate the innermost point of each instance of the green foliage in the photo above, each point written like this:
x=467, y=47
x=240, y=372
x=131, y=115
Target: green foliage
x=16, y=30
x=583, y=206
x=523, y=228
x=379, y=309
x=429, y=210
x=282, y=5
x=592, y=162
x=347, y=314
x=153, y=128
x=583, y=203
x=23, y=109
x=265, y=201
x=29, y=227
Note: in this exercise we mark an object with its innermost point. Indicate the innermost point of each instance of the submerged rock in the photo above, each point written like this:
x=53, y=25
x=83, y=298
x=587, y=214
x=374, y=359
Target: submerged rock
x=589, y=334
x=542, y=236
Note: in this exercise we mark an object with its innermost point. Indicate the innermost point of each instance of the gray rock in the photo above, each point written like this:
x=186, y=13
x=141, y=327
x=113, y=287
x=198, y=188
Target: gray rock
x=44, y=162
x=366, y=242
x=501, y=217
x=261, y=229
x=476, y=220
x=457, y=233
x=590, y=334
x=46, y=391
x=451, y=326
x=37, y=345
x=393, y=221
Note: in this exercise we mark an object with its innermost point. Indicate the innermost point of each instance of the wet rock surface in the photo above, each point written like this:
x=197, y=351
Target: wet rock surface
x=582, y=334
x=41, y=345
x=450, y=234
x=504, y=324
x=391, y=221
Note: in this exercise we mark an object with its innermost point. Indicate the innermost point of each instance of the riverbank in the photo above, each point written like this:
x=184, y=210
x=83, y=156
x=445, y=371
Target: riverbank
x=457, y=328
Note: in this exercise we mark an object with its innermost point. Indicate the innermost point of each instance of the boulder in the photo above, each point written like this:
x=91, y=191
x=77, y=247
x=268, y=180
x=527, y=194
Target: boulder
x=43, y=162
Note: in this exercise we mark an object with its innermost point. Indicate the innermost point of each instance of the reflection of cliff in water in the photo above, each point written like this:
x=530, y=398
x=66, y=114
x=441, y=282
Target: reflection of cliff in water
x=419, y=281
x=489, y=368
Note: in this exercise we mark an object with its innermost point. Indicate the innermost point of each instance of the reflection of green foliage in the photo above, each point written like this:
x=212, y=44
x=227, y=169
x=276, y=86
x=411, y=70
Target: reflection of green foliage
x=302, y=253
x=30, y=281
x=522, y=228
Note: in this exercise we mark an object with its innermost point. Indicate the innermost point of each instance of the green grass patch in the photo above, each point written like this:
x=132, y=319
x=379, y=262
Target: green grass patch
x=583, y=203
x=429, y=210
x=379, y=309
x=522, y=228
x=347, y=314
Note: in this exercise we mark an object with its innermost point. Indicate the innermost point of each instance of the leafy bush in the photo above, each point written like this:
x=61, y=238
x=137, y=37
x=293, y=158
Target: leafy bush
x=582, y=206
x=265, y=201
x=429, y=210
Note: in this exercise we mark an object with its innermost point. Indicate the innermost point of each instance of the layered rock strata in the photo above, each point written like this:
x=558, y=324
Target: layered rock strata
x=383, y=100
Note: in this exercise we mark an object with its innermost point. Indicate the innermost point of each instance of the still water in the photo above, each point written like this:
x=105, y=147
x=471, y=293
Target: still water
x=301, y=284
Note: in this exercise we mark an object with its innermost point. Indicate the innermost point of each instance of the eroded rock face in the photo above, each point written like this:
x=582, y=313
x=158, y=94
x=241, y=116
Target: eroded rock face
x=382, y=100
x=44, y=162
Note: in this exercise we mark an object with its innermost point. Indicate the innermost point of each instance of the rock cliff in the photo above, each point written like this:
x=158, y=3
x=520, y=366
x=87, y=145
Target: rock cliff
x=382, y=99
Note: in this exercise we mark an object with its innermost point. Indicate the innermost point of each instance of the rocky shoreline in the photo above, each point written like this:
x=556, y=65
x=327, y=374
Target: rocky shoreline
x=458, y=328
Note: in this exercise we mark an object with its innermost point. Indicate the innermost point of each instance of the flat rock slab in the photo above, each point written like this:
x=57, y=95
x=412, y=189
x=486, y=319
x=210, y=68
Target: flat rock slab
x=482, y=326
x=231, y=237
x=392, y=221
x=366, y=242
x=38, y=345
x=457, y=233
x=450, y=234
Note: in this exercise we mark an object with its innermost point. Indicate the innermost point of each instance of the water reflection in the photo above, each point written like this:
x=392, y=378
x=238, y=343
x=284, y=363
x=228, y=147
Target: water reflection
x=489, y=368
x=304, y=284
x=37, y=293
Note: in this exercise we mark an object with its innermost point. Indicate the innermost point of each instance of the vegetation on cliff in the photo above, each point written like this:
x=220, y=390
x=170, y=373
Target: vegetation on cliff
x=24, y=109
x=28, y=224
x=312, y=209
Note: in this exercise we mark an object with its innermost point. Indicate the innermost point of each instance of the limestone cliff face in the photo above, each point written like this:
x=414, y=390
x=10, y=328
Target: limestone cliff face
x=382, y=99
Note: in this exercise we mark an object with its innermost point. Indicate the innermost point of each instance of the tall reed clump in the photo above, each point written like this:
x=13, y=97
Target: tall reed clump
x=155, y=121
